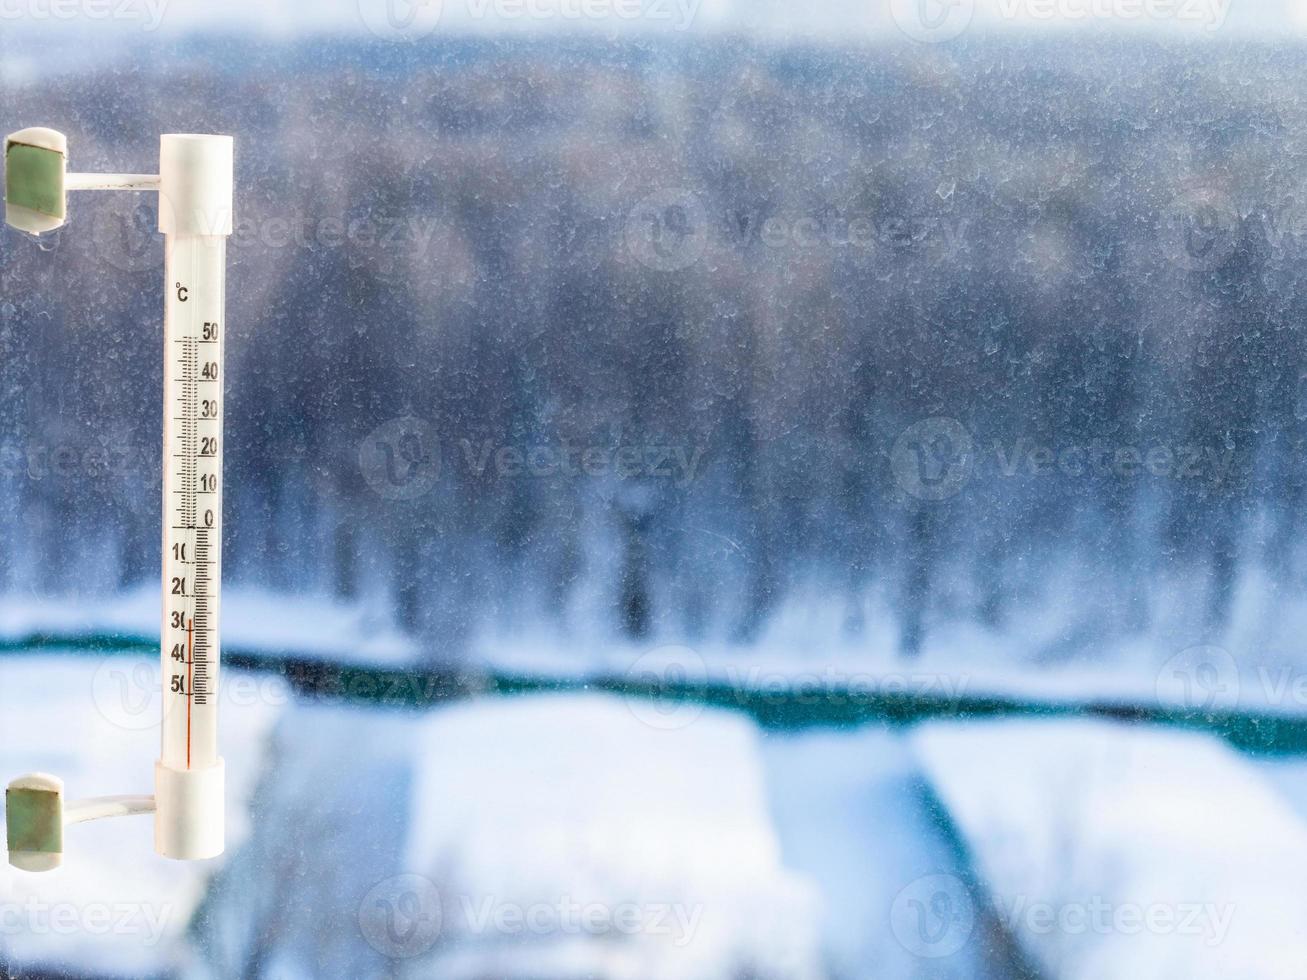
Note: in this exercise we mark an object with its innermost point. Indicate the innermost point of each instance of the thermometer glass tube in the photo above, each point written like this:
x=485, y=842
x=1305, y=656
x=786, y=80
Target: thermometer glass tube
x=192, y=494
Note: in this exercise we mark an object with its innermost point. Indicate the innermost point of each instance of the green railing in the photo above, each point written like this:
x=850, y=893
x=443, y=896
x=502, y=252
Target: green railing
x=420, y=687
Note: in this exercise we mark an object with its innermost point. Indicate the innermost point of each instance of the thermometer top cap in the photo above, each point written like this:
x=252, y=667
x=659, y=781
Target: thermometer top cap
x=35, y=165
x=195, y=184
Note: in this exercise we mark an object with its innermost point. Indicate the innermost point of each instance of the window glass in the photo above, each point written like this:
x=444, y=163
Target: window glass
x=710, y=488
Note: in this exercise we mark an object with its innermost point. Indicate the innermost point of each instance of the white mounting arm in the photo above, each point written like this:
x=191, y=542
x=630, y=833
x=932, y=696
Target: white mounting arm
x=111, y=182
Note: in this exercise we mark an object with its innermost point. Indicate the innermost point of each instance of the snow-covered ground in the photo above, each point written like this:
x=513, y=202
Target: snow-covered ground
x=1113, y=850
x=546, y=836
x=854, y=813
x=582, y=835
x=592, y=835
x=114, y=908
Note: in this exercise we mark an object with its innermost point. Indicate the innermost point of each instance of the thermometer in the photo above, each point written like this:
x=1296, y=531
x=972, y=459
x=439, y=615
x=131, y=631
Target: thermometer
x=194, y=184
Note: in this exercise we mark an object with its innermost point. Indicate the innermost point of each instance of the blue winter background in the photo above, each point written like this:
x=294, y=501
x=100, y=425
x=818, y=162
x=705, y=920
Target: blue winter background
x=827, y=499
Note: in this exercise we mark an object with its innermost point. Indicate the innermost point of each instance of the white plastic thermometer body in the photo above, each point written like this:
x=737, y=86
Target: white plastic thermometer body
x=195, y=215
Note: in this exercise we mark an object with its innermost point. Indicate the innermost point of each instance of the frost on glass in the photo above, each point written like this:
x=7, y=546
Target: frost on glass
x=820, y=348
x=750, y=408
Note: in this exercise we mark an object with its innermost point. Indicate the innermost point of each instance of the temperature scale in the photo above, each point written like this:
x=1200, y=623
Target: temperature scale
x=194, y=184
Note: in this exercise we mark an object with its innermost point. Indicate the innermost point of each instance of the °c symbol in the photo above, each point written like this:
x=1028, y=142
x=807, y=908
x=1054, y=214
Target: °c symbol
x=182, y=293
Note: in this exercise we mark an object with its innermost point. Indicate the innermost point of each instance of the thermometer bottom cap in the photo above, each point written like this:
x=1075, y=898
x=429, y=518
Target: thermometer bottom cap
x=189, y=824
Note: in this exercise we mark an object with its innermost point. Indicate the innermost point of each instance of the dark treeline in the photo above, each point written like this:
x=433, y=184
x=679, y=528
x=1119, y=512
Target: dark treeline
x=683, y=336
